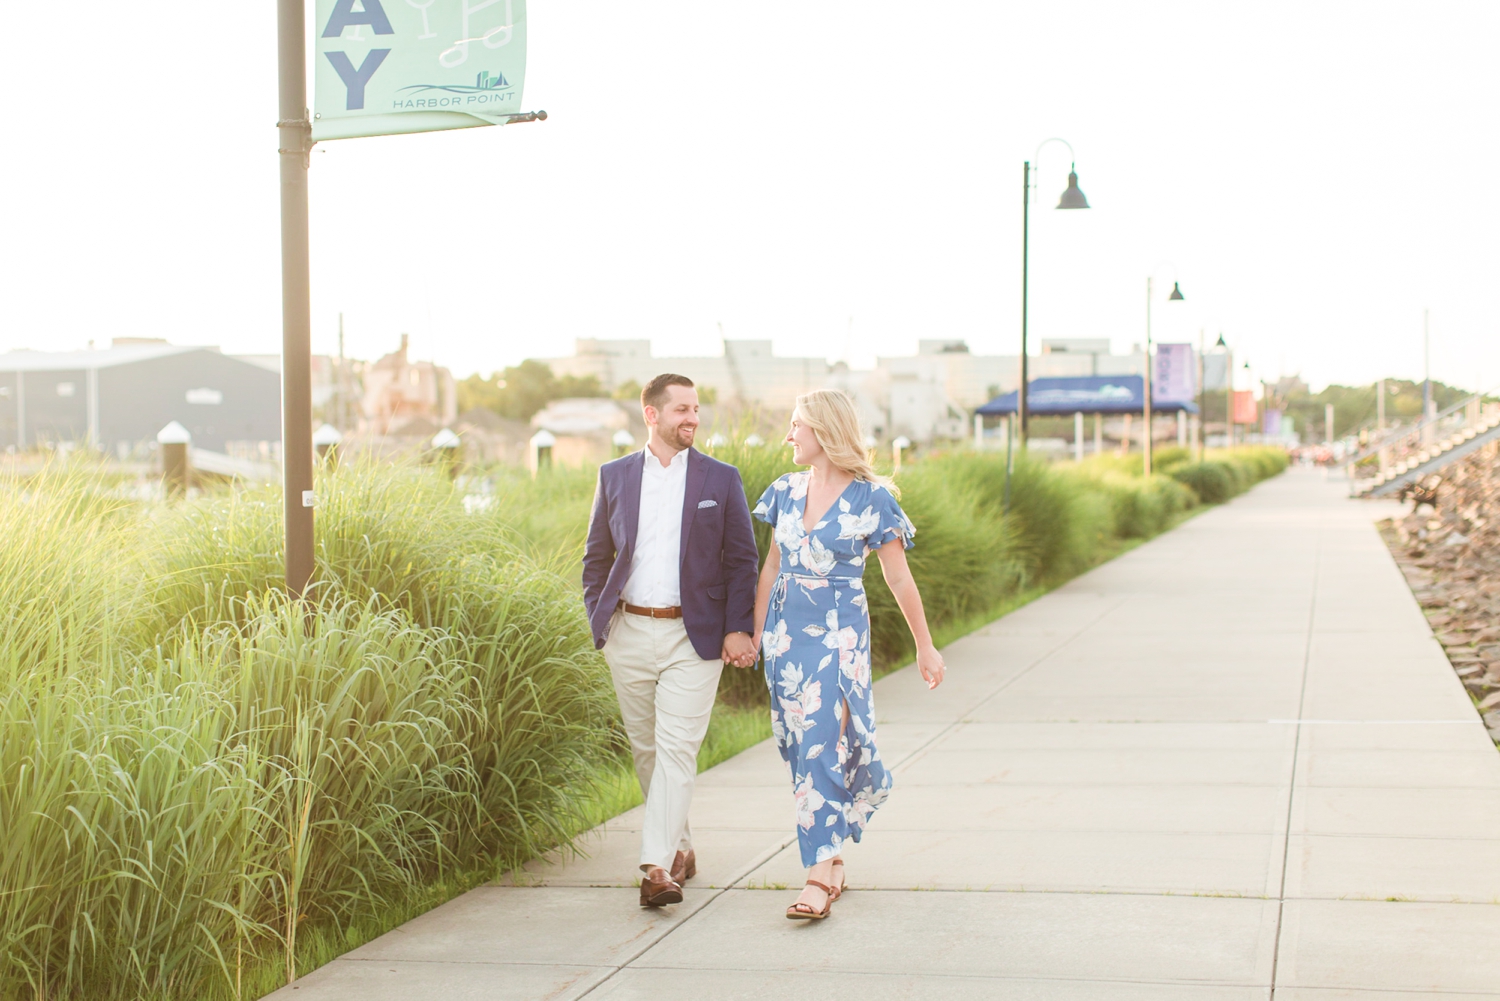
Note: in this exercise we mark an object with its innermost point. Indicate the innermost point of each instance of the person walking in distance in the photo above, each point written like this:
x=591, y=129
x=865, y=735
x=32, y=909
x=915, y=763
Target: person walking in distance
x=814, y=623
x=669, y=585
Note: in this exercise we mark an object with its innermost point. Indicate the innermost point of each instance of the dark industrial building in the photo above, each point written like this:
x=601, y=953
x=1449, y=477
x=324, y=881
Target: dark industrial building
x=120, y=397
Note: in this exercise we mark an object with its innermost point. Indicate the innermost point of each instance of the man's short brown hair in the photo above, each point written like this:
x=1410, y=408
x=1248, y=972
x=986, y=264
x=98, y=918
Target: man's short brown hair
x=655, y=393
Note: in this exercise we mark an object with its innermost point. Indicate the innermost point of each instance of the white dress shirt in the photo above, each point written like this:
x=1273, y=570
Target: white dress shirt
x=654, y=580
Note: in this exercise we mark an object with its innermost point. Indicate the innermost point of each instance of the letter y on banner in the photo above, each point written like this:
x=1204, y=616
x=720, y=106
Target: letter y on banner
x=385, y=67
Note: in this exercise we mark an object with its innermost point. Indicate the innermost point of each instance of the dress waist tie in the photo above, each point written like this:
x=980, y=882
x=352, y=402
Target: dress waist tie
x=784, y=581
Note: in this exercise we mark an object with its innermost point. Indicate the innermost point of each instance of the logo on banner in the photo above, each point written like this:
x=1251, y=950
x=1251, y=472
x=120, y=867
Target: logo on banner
x=485, y=88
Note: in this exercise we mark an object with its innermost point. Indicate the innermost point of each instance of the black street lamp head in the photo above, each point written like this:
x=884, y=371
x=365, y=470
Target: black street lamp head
x=1176, y=295
x=1221, y=343
x=1072, y=198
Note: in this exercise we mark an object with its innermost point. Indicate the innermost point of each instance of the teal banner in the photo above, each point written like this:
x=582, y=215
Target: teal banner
x=386, y=67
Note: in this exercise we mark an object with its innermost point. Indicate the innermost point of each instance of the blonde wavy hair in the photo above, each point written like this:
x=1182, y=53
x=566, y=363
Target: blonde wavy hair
x=835, y=423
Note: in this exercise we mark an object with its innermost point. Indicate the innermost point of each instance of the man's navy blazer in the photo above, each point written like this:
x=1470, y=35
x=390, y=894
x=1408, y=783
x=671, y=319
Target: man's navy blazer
x=719, y=559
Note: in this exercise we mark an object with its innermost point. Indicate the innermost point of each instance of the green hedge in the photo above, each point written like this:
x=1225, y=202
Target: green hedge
x=1229, y=473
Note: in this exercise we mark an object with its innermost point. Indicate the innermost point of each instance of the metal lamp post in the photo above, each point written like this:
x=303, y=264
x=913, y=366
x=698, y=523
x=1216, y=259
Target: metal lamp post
x=296, y=308
x=1249, y=380
x=1228, y=391
x=1072, y=198
x=1176, y=296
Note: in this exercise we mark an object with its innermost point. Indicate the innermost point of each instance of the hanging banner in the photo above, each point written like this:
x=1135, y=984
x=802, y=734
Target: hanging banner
x=386, y=67
x=1214, y=367
x=1244, y=406
x=1175, y=379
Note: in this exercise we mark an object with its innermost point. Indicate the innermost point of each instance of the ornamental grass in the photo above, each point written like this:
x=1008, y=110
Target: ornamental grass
x=197, y=771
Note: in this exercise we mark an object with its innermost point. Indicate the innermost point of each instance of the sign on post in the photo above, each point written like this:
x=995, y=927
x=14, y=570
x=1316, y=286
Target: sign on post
x=385, y=67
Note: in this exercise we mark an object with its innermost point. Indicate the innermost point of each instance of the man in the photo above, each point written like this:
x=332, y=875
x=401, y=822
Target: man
x=669, y=574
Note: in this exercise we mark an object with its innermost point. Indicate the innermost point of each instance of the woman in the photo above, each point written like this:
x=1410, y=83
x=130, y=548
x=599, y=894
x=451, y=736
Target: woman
x=814, y=623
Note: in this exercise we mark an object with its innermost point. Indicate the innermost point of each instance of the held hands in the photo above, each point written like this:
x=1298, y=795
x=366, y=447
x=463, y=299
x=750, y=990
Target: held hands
x=930, y=664
x=739, y=650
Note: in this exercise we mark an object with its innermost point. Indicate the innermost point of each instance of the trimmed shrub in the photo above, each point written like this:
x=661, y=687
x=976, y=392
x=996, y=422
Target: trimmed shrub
x=1213, y=482
x=1230, y=472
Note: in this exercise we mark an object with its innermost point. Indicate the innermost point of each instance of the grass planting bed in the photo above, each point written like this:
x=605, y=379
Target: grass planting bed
x=207, y=789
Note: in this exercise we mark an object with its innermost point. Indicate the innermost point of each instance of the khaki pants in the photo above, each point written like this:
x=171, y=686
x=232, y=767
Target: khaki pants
x=666, y=693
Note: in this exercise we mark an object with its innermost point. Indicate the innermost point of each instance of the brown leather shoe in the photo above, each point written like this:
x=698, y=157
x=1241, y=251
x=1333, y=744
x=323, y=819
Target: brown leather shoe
x=684, y=866
x=658, y=888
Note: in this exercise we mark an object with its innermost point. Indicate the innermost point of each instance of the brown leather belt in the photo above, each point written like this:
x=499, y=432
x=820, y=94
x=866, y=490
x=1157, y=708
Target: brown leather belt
x=654, y=613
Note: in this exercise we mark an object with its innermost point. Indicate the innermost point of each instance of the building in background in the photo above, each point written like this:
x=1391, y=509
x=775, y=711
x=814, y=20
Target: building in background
x=585, y=428
x=746, y=373
x=118, y=398
x=926, y=396
x=400, y=397
x=336, y=383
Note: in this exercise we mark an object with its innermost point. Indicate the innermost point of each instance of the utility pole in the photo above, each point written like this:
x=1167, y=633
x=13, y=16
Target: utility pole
x=1383, y=457
x=1228, y=395
x=1426, y=369
x=735, y=377
x=343, y=412
x=1198, y=421
x=296, y=301
x=1146, y=387
x=1428, y=409
x=1021, y=414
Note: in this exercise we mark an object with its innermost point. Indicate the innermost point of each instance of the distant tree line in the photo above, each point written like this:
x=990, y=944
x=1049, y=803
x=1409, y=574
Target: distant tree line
x=1355, y=406
x=521, y=390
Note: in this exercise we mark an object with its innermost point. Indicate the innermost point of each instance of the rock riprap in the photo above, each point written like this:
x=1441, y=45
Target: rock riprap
x=1449, y=549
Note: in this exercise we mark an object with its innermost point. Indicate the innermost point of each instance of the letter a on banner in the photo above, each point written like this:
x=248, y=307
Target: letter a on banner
x=386, y=67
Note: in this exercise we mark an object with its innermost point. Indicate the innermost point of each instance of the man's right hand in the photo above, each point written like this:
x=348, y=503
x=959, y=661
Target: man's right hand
x=739, y=650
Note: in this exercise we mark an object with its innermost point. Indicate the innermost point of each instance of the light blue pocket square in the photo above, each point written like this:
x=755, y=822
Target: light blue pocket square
x=707, y=503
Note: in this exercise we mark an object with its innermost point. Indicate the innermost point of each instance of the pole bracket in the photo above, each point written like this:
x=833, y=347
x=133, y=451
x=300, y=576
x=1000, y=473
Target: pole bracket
x=304, y=128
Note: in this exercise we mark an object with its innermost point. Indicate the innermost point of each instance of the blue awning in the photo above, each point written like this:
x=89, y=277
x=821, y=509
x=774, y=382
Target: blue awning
x=1089, y=394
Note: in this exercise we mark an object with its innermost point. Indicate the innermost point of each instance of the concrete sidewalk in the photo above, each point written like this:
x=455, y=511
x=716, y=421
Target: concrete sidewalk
x=1233, y=758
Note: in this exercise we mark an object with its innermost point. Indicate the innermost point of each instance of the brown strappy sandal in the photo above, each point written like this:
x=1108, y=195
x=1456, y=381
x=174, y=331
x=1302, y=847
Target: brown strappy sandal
x=796, y=912
x=843, y=883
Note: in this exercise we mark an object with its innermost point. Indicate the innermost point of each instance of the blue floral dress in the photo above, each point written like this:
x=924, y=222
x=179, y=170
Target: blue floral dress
x=817, y=654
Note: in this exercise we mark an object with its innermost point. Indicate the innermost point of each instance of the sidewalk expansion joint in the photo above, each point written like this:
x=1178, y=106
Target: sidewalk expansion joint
x=1286, y=845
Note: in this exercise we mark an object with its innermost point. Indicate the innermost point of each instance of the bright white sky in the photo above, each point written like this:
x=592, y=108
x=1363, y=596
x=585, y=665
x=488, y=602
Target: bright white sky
x=1318, y=173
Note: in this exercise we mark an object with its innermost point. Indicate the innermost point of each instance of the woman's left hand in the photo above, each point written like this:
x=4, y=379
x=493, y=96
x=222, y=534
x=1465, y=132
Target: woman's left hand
x=930, y=664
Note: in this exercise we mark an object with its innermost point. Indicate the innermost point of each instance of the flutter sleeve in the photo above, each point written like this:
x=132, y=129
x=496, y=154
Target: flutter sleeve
x=893, y=522
x=769, y=505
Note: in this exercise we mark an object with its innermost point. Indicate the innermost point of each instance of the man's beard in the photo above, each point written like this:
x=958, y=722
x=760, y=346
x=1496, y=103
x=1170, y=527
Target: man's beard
x=680, y=437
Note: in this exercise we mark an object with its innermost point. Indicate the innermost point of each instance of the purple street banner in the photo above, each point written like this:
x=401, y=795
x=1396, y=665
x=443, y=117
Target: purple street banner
x=386, y=67
x=1175, y=377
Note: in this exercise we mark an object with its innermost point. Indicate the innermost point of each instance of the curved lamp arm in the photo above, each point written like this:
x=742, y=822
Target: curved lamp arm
x=1037, y=156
